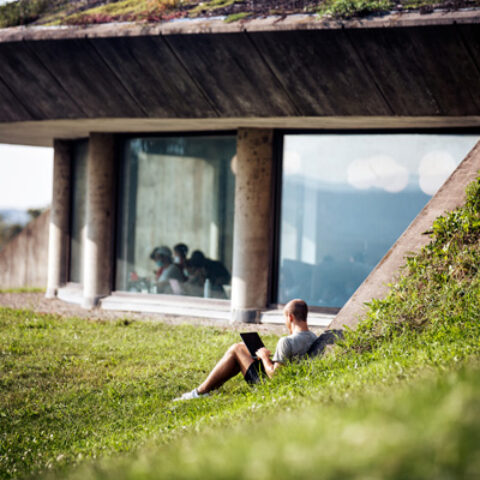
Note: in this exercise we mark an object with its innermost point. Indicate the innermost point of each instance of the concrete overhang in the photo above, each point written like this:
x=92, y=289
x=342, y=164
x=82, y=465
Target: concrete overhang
x=396, y=71
x=42, y=133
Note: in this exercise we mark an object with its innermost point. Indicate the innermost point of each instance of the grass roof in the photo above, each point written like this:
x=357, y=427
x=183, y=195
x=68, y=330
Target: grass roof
x=86, y=12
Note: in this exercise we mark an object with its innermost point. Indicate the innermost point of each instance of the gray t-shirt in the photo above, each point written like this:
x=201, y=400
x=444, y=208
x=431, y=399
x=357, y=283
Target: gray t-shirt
x=172, y=272
x=293, y=346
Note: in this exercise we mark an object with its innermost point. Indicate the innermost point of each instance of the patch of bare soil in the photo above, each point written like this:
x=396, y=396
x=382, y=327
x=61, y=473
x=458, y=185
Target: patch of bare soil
x=38, y=303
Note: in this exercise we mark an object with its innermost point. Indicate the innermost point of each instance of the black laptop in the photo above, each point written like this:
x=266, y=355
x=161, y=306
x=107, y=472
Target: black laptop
x=253, y=342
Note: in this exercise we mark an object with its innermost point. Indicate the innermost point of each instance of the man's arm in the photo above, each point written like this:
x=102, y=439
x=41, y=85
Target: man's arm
x=270, y=367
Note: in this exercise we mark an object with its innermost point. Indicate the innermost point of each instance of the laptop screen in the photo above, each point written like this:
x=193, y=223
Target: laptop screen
x=253, y=342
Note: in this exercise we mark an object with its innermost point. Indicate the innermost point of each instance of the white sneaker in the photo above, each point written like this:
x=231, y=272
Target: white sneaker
x=191, y=395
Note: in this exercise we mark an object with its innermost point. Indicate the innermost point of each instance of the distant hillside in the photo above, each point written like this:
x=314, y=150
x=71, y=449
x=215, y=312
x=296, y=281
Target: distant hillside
x=13, y=221
x=83, y=12
x=15, y=216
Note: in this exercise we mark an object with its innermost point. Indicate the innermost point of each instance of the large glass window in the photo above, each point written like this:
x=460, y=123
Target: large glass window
x=78, y=218
x=346, y=198
x=176, y=216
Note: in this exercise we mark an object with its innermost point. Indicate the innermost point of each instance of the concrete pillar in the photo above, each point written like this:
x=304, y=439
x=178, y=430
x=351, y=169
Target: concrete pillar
x=253, y=224
x=59, y=217
x=98, y=249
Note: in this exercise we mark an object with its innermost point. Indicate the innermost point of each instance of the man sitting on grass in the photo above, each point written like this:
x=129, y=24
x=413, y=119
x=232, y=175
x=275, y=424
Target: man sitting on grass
x=238, y=359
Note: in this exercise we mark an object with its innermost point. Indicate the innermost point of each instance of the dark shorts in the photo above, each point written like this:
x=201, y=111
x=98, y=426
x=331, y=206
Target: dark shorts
x=255, y=373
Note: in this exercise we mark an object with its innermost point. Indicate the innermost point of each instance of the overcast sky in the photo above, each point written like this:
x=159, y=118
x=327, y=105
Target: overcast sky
x=25, y=176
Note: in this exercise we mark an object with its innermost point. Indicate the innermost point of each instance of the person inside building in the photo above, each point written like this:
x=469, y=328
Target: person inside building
x=169, y=271
x=180, y=251
x=137, y=283
x=196, y=275
x=153, y=256
x=238, y=359
x=213, y=270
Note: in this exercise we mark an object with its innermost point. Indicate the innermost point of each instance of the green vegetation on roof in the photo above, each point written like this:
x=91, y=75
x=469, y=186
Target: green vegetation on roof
x=83, y=12
x=397, y=398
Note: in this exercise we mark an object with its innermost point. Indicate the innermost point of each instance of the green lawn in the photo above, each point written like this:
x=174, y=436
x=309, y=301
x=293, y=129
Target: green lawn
x=23, y=290
x=72, y=391
x=398, y=398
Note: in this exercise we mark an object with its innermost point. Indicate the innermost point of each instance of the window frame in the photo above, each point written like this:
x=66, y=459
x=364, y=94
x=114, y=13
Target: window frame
x=121, y=140
x=277, y=181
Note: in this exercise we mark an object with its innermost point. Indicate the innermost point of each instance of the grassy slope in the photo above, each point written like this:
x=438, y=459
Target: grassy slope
x=429, y=430
x=397, y=399
x=57, y=12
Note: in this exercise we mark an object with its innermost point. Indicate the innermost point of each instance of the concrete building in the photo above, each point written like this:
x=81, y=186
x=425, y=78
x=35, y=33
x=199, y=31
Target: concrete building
x=288, y=155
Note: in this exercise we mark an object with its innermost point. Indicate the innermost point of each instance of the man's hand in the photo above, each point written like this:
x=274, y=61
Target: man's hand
x=263, y=353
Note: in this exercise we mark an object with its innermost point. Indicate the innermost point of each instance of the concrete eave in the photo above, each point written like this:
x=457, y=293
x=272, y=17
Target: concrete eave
x=205, y=74
x=218, y=25
x=43, y=133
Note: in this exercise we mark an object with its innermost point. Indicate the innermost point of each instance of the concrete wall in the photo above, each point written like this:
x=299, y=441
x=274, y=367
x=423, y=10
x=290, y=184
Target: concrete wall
x=177, y=198
x=168, y=199
x=24, y=260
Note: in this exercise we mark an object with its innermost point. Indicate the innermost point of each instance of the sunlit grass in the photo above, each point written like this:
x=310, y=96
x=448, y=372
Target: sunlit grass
x=397, y=398
x=23, y=290
x=73, y=389
x=430, y=429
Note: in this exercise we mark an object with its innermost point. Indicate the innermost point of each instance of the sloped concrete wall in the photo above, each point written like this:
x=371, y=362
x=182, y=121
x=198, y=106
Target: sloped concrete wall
x=24, y=260
x=450, y=196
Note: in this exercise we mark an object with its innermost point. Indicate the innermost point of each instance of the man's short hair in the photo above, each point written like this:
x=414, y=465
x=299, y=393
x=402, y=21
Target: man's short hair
x=181, y=248
x=298, y=308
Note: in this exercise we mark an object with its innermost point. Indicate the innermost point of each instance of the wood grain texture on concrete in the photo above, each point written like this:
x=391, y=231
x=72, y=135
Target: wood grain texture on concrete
x=456, y=79
x=450, y=196
x=233, y=75
x=408, y=71
x=12, y=108
x=402, y=83
x=471, y=38
x=322, y=72
x=35, y=88
x=151, y=73
x=82, y=73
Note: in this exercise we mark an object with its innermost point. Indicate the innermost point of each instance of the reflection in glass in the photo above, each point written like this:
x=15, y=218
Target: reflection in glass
x=176, y=216
x=78, y=220
x=345, y=201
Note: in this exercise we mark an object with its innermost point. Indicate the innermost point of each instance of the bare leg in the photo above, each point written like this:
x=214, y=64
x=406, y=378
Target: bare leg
x=236, y=359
